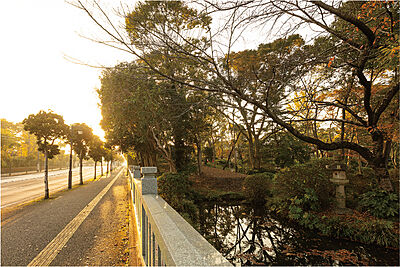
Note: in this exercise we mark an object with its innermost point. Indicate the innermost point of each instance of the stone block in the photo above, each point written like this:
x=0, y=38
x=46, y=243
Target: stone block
x=149, y=186
x=149, y=172
x=136, y=172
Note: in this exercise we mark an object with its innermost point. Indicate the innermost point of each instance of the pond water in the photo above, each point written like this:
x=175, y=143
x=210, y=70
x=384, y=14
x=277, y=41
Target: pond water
x=248, y=236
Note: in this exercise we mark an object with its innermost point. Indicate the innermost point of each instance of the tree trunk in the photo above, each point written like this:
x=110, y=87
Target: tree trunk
x=70, y=169
x=342, y=132
x=46, y=175
x=80, y=170
x=257, y=156
x=230, y=153
x=379, y=164
x=101, y=166
x=235, y=159
x=180, y=163
x=95, y=165
x=198, y=144
x=9, y=167
x=214, y=156
x=394, y=157
x=251, y=155
x=146, y=160
x=379, y=160
x=141, y=160
x=111, y=166
x=383, y=178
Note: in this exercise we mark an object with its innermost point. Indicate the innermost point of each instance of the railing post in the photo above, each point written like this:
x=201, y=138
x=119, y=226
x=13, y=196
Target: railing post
x=136, y=172
x=149, y=180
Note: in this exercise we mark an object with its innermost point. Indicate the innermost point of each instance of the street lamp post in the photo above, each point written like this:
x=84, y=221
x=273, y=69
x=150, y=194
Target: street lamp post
x=70, y=158
x=80, y=162
x=70, y=161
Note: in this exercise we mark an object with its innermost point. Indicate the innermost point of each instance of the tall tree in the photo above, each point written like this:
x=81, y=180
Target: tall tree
x=81, y=135
x=69, y=140
x=171, y=18
x=96, y=151
x=129, y=109
x=355, y=40
x=47, y=127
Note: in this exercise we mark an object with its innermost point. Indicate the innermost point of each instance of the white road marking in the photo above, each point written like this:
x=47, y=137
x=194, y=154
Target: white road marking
x=40, y=175
x=52, y=188
x=48, y=254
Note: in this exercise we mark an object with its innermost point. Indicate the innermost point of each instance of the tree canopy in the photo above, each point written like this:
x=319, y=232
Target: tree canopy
x=81, y=135
x=335, y=91
x=47, y=127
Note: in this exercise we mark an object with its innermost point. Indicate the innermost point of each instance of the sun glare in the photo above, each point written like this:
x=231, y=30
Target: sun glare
x=37, y=75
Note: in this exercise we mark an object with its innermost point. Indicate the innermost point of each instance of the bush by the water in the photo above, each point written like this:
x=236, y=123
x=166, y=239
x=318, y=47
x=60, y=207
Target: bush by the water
x=306, y=184
x=175, y=188
x=304, y=193
x=257, y=187
x=380, y=203
x=356, y=227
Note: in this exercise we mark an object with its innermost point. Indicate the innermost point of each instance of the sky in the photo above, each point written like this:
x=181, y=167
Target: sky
x=36, y=37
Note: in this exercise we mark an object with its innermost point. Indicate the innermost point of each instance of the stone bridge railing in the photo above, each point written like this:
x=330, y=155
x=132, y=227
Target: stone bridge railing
x=166, y=238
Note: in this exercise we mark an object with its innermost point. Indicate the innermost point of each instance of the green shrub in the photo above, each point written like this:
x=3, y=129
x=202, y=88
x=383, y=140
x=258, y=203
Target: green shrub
x=360, y=229
x=359, y=183
x=374, y=231
x=309, y=201
x=221, y=162
x=395, y=178
x=380, y=203
x=267, y=168
x=257, y=187
x=303, y=180
x=176, y=189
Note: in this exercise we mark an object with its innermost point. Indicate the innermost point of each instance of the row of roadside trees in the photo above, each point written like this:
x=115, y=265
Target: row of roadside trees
x=50, y=128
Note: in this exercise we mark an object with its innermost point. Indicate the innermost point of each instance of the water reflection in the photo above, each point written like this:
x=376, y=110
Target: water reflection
x=249, y=236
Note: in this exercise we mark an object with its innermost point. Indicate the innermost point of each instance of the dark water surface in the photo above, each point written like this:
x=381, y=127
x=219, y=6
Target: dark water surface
x=248, y=236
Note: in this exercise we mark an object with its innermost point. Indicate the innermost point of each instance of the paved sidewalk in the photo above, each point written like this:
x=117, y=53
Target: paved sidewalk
x=100, y=239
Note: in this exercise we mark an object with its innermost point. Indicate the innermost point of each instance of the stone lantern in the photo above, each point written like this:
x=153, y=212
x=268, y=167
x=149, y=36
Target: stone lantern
x=339, y=179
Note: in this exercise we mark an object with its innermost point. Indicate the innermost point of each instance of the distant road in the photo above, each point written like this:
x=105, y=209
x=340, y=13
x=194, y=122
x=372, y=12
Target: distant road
x=22, y=188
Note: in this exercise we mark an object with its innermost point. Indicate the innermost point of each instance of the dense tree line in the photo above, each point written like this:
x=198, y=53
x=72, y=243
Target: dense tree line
x=337, y=90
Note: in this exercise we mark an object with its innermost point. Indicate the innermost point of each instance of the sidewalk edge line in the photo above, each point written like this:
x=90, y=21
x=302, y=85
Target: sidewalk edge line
x=49, y=253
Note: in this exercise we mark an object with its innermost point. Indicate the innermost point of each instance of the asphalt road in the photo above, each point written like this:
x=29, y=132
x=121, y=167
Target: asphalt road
x=19, y=189
x=28, y=230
